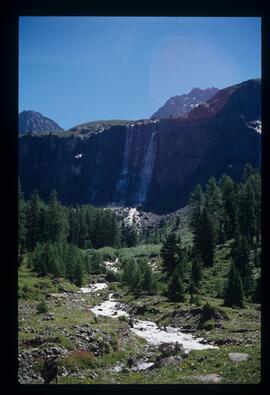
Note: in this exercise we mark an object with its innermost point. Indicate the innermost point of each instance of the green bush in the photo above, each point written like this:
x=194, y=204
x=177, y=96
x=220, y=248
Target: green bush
x=208, y=325
x=111, y=276
x=212, y=312
x=42, y=307
x=79, y=360
x=123, y=318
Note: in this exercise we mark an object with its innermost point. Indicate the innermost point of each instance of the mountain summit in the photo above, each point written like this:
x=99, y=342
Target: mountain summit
x=31, y=121
x=177, y=106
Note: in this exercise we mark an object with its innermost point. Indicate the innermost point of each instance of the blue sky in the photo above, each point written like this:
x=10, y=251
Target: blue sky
x=79, y=69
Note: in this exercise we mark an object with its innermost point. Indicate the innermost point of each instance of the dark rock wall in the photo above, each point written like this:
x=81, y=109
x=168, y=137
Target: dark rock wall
x=154, y=163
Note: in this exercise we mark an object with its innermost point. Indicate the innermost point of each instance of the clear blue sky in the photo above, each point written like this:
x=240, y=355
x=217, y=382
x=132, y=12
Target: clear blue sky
x=79, y=69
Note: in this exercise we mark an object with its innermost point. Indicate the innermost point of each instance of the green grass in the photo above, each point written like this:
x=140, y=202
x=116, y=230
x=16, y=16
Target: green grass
x=142, y=250
x=96, y=125
x=239, y=325
x=30, y=286
x=196, y=364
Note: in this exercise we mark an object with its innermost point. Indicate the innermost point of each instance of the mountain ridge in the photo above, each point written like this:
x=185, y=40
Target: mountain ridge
x=33, y=121
x=154, y=163
x=179, y=105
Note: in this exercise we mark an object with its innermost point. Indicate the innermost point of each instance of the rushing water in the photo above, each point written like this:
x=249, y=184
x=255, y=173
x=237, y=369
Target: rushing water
x=122, y=184
x=93, y=288
x=147, y=169
x=148, y=329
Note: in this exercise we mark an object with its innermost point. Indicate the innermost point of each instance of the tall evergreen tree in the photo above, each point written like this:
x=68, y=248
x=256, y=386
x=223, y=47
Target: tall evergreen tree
x=240, y=256
x=170, y=253
x=257, y=293
x=213, y=202
x=57, y=225
x=196, y=271
x=22, y=210
x=33, y=221
x=204, y=238
x=234, y=293
x=228, y=192
x=176, y=290
x=197, y=201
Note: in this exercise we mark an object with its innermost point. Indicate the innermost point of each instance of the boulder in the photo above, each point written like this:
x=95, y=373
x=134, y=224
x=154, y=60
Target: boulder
x=166, y=362
x=238, y=356
x=208, y=378
x=170, y=349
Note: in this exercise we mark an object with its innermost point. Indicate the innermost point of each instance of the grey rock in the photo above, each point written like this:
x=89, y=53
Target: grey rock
x=170, y=349
x=161, y=363
x=208, y=378
x=238, y=356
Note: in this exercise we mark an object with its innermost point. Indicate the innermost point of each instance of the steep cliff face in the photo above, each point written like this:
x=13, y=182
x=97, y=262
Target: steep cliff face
x=156, y=163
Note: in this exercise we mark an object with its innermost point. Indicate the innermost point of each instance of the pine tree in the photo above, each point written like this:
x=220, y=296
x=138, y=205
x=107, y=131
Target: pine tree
x=33, y=221
x=147, y=279
x=204, y=238
x=213, y=202
x=57, y=222
x=136, y=279
x=192, y=290
x=240, y=255
x=83, y=233
x=127, y=270
x=22, y=210
x=246, y=211
x=78, y=274
x=197, y=201
x=257, y=293
x=176, y=290
x=73, y=226
x=228, y=192
x=234, y=293
x=171, y=253
x=196, y=271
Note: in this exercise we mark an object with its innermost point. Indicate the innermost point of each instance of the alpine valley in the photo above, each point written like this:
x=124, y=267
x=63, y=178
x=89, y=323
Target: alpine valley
x=139, y=245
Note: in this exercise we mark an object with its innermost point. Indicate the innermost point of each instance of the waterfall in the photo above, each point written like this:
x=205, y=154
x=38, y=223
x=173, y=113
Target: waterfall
x=147, y=169
x=122, y=185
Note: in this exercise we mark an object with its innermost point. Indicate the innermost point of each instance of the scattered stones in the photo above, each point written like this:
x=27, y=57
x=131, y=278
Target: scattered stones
x=238, y=356
x=220, y=342
x=170, y=349
x=48, y=317
x=57, y=296
x=208, y=378
x=161, y=363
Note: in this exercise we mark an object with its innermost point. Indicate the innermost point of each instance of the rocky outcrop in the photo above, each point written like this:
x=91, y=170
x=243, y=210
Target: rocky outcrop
x=238, y=356
x=32, y=121
x=177, y=106
x=152, y=163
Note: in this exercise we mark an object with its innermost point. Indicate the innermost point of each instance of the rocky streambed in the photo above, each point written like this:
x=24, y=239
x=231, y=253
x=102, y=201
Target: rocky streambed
x=149, y=330
x=94, y=321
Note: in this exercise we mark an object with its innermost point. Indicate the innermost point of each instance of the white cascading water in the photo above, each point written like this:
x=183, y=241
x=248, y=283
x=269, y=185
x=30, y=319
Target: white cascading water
x=122, y=184
x=147, y=170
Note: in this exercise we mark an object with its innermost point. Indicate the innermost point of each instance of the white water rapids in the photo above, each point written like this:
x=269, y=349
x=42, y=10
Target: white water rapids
x=148, y=329
x=93, y=288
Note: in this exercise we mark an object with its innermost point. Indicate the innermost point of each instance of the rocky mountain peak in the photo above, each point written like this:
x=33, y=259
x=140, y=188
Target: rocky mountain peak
x=178, y=106
x=32, y=121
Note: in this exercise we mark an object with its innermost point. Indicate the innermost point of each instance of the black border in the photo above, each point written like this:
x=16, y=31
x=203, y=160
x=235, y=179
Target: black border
x=9, y=155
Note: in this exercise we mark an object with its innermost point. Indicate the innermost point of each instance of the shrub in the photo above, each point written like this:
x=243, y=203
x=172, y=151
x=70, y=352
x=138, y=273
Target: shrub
x=210, y=312
x=79, y=360
x=115, y=342
x=123, y=318
x=208, y=325
x=42, y=307
x=111, y=276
